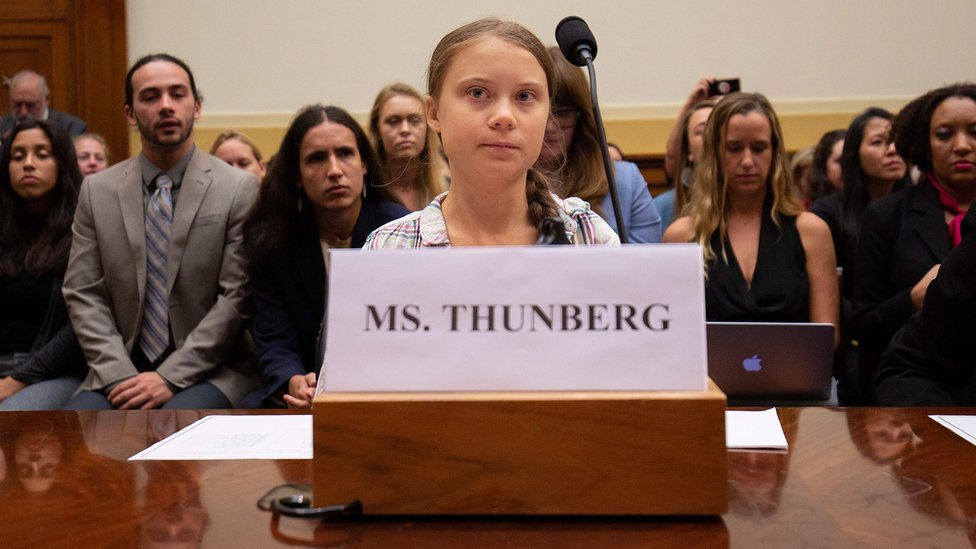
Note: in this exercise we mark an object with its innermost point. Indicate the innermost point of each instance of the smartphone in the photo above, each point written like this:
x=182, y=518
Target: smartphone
x=724, y=86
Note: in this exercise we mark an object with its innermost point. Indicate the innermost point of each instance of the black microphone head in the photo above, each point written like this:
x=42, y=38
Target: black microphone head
x=574, y=36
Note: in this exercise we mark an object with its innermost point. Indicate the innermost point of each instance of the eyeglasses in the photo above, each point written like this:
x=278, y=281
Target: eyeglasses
x=566, y=118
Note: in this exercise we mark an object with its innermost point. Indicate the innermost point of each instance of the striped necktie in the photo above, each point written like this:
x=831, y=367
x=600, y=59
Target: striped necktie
x=155, y=320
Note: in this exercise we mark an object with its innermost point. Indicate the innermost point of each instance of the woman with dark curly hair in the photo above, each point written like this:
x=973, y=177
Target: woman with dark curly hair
x=906, y=235
x=40, y=361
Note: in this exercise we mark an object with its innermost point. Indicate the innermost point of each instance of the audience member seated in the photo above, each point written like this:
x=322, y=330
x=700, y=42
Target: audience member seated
x=766, y=259
x=825, y=174
x=684, y=146
x=492, y=131
x=907, y=234
x=30, y=98
x=41, y=363
x=870, y=169
x=615, y=153
x=801, y=163
x=92, y=153
x=237, y=149
x=930, y=361
x=338, y=200
x=572, y=160
x=406, y=146
x=156, y=284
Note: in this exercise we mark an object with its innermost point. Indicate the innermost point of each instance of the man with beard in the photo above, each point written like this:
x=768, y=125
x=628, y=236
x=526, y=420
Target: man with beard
x=155, y=281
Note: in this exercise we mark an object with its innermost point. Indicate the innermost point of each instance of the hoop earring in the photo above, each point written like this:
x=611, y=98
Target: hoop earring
x=299, y=204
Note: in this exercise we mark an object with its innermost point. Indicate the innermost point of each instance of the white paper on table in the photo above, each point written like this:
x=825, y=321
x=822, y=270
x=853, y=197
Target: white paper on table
x=237, y=437
x=964, y=426
x=754, y=430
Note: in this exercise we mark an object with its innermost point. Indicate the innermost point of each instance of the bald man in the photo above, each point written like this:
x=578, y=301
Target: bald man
x=29, y=97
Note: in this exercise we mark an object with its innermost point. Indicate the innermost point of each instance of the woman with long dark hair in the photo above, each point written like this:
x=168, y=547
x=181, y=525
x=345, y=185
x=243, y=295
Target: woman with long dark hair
x=870, y=168
x=40, y=361
x=323, y=190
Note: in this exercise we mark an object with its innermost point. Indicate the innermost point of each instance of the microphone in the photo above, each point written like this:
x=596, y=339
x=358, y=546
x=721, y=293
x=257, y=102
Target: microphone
x=576, y=40
x=578, y=45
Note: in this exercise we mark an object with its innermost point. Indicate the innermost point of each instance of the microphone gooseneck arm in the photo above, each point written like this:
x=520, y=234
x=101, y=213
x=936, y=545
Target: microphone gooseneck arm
x=578, y=46
x=605, y=152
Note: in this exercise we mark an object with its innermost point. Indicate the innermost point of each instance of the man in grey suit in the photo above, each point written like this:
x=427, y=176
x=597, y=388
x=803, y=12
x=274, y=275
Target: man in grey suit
x=155, y=285
x=29, y=97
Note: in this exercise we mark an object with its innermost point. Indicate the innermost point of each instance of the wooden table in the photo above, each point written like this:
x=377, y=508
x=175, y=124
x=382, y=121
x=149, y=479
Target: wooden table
x=853, y=477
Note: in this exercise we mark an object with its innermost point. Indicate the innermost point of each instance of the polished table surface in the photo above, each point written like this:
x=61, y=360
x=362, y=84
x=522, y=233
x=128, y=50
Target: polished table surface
x=878, y=477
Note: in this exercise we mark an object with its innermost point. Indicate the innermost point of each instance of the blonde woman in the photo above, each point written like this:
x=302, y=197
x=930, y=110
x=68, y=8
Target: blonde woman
x=766, y=258
x=406, y=146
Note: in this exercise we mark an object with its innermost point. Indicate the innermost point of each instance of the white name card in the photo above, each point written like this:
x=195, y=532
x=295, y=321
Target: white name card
x=517, y=318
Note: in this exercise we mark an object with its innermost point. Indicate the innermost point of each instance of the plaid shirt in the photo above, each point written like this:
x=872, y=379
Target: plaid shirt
x=426, y=228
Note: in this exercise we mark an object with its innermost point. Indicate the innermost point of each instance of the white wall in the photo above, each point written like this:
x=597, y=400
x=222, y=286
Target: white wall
x=260, y=60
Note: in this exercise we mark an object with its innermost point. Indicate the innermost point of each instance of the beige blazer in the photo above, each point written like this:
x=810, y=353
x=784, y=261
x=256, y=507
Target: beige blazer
x=209, y=301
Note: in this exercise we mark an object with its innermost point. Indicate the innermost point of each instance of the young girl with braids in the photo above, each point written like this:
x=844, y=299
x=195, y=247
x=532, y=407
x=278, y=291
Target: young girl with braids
x=489, y=84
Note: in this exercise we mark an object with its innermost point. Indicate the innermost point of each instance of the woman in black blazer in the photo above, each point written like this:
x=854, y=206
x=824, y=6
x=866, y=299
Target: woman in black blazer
x=906, y=235
x=322, y=191
x=932, y=360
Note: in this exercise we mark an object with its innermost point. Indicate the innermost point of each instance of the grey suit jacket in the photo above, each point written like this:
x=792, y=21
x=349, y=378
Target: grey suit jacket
x=209, y=299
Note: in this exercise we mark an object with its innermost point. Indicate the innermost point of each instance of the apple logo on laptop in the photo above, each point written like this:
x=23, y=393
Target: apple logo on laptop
x=753, y=364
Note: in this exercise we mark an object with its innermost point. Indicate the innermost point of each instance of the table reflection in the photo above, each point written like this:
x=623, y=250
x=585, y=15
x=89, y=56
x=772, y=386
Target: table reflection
x=855, y=477
x=882, y=435
x=946, y=493
x=173, y=511
x=756, y=479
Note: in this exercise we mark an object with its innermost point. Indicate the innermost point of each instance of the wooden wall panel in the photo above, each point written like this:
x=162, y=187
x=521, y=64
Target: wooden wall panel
x=101, y=61
x=26, y=10
x=80, y=47
x=17, y=52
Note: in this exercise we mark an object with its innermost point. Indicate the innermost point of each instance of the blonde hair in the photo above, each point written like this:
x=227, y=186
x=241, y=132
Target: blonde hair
x=682, y=191
x=540, y=201
x=708, y=194
x=430, y=167
x=98, y=139
x=234, y=134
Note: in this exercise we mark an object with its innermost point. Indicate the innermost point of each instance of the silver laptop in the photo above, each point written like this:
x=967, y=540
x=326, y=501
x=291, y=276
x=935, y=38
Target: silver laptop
x=773, y=361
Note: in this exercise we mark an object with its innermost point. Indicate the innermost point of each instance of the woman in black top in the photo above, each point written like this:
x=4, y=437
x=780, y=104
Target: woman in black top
x=40, y=361
x=870, y=168
x=766, y=259
x=906, y=235
x=324, y=190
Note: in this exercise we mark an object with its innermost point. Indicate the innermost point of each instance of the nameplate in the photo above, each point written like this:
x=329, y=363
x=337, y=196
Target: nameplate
x=539, y=318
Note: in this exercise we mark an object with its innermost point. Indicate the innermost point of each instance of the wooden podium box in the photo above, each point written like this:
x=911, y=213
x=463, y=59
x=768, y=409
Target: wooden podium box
x=515, y=453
